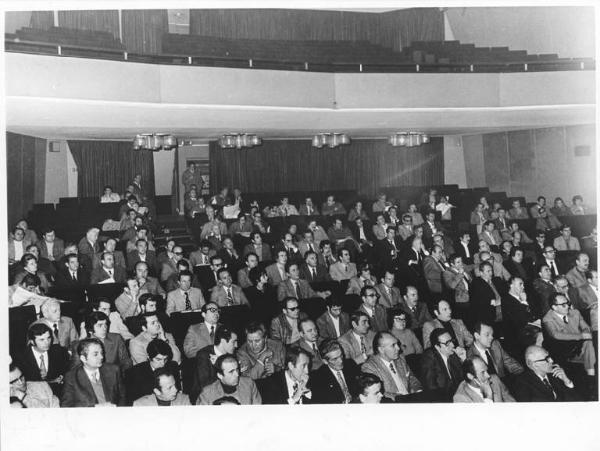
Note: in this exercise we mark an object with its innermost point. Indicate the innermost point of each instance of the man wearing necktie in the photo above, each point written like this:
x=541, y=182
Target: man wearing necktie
x=458, y=279
x=335, y=381
x=186, y=297
x=227, y=294
x=310, y=341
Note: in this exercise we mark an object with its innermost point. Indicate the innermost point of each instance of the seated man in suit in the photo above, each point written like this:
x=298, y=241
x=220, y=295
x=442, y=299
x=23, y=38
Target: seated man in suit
x=230, y=383
x=165, y=392
x=151, y=329
x=127, y=303
x=291, y=386
x=458, y=279
x=417, y=311
x=379, y=229
x=544, y=287
x=201, y=257
x=186, y=297
x=549, y=258
x=146, y=283
x=285, y=326
x=261, y=249
x=294, y=286
x=496, y=359
x=335, y=381
x=543, y=381
x=364, y=237
x=479, y=386
x=225, y=293
x=42, y=360
x=517, y=212
x=312, y=271
x=93, y=382
x=202, y=365
x=310, y=341
x=566, y=242
x=390, y=366
x=110, y=245
x=516, y=266
x=71, y=274
x=242, y=275
x=343, y=269
x=50, y=246
x=376, y=313
x=88, y=246
x=490, y=235
x=307, y=243
x=571, y=333
x=201, y=335
x=433, y=268
x=486, y=299
x=388, y=250
x=276, y=271
x=141, y=254
x=357, y=343
x=588, y=295
x=116, y=324
x=341, y=236
x=441, y=366
x=115, y=351
x=405, y=230
x=65, y=332
x=108, y=272
x=29, y=394
x=443, y=319
x=517, y=312
x=330, y=207
x=333, y=323
x=308, y=208
x=260, y=356
x=464, y=249
x=139, y=379
x=325, y=256
x=576, y=275
x=362, y=279
x=389, y=295
x=230, y=257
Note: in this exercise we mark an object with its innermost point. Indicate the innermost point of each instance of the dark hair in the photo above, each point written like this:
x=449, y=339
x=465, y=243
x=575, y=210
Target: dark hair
x=84, y=345
x=335, y=301
x=222, y=359
x=26, y=258
x=225, y=400
x=30, y=279
x=95, y=304
x=356, y=315
x=255, y=274
x=204, y=243
x=253, y=327
x=92, y=318
x=144, y=298
x=453, y=258
x=469, y=368
x=364, y=381
x=221, y=271
x=363, y=290
x=287, y=299
x=324, y=243
x=186, y=273
x=487, y=223
x=484, y=264
x=164, y=371
x=391, y=313
x=554, y=298
x=292, y=353
x=250, y=254
x=37, y=330
x=478, y=325
x=205, y=306
x=223, y=333
x=514, y=249
x=329, y=345
x=159, y=347
x=289, y=264
x=144, y=318
x=434, y=336
x=215, y=257
x=377, y=339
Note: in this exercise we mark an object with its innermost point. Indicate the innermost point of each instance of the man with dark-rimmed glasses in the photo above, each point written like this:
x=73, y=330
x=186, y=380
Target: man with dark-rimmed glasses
x=543, y=381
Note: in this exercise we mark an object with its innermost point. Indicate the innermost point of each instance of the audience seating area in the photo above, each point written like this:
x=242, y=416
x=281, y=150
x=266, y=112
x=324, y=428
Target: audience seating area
x=325, y=56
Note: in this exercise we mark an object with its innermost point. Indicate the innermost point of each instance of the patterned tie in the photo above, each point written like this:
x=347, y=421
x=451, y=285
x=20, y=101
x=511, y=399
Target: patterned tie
x=567, y=244
x=55, y=327
x=188, y=303
x=316, y=351
x=392, y=369
x=229, y=296
x=490, y=363
x=110, y=272
x=565, y=319
x=43, y=369
x=344, y=387
x=363, y=348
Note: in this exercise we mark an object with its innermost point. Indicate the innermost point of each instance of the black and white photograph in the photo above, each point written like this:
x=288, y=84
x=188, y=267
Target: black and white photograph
x=256, y=218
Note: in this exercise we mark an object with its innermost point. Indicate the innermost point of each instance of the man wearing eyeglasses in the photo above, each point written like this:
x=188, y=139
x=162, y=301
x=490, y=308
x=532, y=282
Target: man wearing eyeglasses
x=572, y=334
x=285, y=326
x=441, y=367
x=376, y=313
x=29, y=394
x=543, y=381
x=549, y=258
x=201, y=335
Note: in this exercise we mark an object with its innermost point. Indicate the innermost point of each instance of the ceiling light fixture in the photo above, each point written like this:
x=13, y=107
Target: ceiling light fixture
x=155, y=142
x=408, y=139
x=330, y=140
x=239, y=140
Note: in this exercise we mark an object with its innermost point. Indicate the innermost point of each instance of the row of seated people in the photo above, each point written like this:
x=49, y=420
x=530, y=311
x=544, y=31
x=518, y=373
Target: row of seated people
x=302, y=360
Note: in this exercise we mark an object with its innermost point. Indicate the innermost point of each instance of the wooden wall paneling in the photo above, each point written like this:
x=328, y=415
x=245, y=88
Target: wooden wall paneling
x=522, y=163
x=496, y=159
x=96, y=20
x=582, y=169
x=550, y=161
x=474, y=160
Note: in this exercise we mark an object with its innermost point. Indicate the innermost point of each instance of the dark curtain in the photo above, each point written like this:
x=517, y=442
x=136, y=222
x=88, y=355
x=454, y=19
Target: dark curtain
x=21, y=168
x=393, y=29
x=143, y=30
x=112, y=163
x=365, y=165
x=42, y=20
x=91, y=20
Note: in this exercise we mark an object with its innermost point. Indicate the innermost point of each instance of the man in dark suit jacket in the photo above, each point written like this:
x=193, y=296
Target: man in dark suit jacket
x=441, y=367
x=333, y=323
x=388, y=250
x=431, y=227
x=141, y=253
x=71, y=274
x=544, y=288
x=230, y=256
x=543, y=381
x=464, y=249
x=485, y=297
x=312, y=271
x=263, y=250
x=42, y=360
x=139, y=379
x=108, y=270
x=94, y=382
x=516, y=312
x=292, y=385
x=376, y=313
x=334, y=382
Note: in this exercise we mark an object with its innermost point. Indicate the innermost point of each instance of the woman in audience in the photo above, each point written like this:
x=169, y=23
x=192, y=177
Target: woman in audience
x=417, y=218
x=560, y=209
x=577, y=208
x=109, y=196
x=479, y=216
x=262, y=296
x=357, y=212
x=30, y=266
